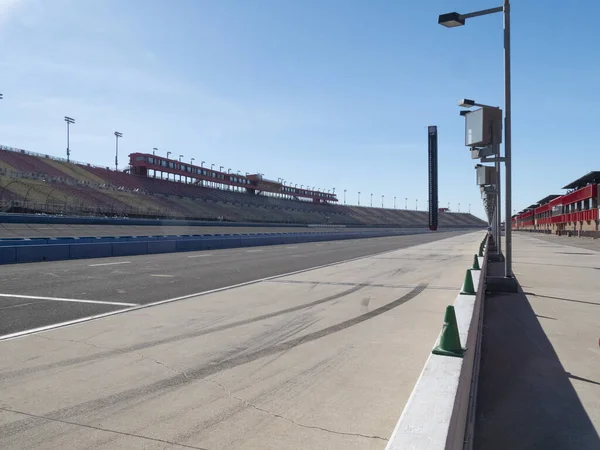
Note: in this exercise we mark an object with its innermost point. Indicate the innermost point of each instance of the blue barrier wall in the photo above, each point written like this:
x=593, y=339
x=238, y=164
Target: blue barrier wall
x=53, y=249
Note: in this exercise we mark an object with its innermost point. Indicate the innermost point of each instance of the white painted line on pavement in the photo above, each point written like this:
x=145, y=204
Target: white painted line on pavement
x=109, y=264
x=161, y=275
x=292, y=246
x=73, y=300
x=253, y=251
x=200, y=256
x=18, y=306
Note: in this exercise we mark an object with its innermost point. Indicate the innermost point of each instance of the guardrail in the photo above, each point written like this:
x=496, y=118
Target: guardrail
x=55, y=249
x=440, y=412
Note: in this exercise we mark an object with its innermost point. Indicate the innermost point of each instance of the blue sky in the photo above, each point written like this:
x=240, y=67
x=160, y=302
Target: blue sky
x=325, y=93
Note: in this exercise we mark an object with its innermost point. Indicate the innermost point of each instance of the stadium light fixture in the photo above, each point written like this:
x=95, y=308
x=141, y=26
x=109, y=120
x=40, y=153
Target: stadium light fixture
x=417, y=205
x=192, y=160
x=405, y=202
x=371, y=199
x=212, y=166
x=458, y=206
x=168, y=153
x=382, y=201
x=202, y=163
x=228, y=170
x=394, y=202
x=466, y=103
x=69, y=121
x=1, y=97
x=117, y=136
x=221, y=168
x=455, y=19
x=154, y=150
x=180, y=156
x=344, y=196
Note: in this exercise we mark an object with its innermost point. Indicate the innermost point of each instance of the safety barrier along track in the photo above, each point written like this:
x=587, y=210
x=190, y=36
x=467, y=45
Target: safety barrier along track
x=439, y=414
x=56, y=249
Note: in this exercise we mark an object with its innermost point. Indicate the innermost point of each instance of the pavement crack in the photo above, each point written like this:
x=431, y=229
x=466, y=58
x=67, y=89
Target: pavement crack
x=230, y=394
x=99, y=347
x=107, y=430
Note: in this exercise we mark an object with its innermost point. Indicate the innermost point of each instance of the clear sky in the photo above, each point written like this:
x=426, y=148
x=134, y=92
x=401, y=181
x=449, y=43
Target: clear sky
x=325, y=93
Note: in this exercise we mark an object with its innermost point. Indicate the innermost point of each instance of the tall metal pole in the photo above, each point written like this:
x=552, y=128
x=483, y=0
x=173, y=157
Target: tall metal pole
x=358, y=198
x=68, y=152
x=498, y=165
x=507, y=142
x=117, y=136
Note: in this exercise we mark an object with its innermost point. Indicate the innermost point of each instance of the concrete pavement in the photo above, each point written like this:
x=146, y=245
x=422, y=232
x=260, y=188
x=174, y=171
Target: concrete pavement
x=323, y=359
x=540, y=372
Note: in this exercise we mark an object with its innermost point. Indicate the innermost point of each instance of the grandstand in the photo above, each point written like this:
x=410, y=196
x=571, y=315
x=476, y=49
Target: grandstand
x=574, y=213
x=37, y=183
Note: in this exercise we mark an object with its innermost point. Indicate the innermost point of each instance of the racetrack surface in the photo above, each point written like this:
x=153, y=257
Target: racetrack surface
x=320, y=359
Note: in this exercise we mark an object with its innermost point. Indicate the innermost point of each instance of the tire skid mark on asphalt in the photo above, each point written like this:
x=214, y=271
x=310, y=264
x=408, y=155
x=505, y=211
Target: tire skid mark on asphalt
x=180, y=337
x=158, y=388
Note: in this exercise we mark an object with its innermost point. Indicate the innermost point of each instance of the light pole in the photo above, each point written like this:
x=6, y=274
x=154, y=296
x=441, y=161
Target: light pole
x=168, y=153
x=117, y=136
x=344, y=196
x=394, y=202
x=452, y=20
x=417, y=205
x=469, y=208
x=406, y=203
x=154, y=150
x=69, y=121
x=371, y=200
x=382, y=201
x=221, y=168
x=180, y=156
x=212, y=166
x=458, y=206
x=192, y=161
x=358, y=198
x=202, y=163
x=228, y=170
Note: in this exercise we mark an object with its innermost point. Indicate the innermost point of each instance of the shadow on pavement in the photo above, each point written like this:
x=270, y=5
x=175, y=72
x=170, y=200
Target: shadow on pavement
x=525, y=398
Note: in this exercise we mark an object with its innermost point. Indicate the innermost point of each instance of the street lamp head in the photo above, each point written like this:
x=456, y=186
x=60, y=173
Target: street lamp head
x=69, y=119
x=117, y=134
x=466, y=103
x=463, y=113
x=451, y=20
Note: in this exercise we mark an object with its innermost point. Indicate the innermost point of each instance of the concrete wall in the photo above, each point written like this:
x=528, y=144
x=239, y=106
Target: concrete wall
x=48, y=249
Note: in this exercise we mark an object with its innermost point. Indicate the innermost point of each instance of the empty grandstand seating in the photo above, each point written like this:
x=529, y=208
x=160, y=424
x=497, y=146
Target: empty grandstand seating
x=36, y=183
